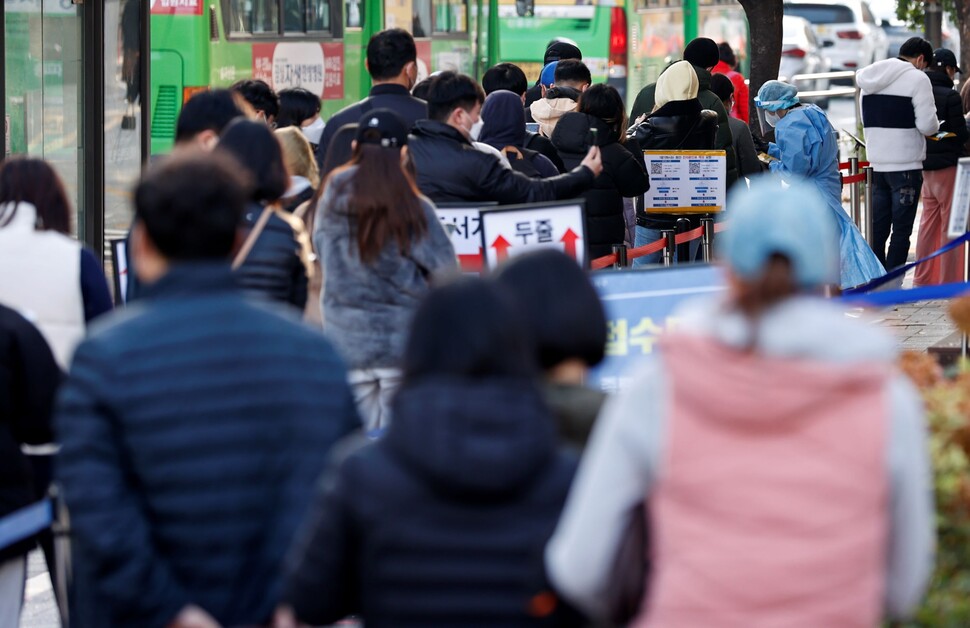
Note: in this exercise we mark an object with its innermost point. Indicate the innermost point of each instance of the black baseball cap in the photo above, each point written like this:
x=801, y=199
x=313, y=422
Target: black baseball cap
x=561, y=49
x=382, y=127
x=946, y=59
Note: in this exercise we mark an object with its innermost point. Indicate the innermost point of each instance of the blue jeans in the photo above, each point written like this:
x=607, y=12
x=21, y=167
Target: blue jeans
x=894, y=200
x=646, y=235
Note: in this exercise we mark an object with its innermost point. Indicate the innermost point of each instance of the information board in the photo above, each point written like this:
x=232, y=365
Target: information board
x=517, y=229
x=463, y=224
x=960, y=207
x=685, y=181
x=639, y=306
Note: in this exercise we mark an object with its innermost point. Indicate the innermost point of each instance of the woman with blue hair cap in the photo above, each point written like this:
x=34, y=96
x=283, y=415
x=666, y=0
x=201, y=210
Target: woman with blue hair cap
x=806, y=146
x=780, y=455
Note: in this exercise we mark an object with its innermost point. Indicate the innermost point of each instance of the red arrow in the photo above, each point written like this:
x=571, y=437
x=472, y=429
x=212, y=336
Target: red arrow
x=471, y=263
x=569, y=241
x=501, y=246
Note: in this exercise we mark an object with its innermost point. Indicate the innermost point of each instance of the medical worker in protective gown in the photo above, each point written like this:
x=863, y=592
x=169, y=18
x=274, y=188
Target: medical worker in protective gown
x=805, y=145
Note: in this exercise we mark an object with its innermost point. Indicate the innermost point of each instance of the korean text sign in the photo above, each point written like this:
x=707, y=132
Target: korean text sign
x=463, y=224
x=960, y=207
x=640, y=305
x=517, y=229
x=685, y=181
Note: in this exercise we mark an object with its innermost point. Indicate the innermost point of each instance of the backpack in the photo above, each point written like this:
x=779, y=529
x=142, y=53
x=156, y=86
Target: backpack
x=520, y=160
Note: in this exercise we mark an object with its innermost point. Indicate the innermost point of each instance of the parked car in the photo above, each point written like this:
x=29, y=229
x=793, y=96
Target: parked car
x=801, y=54
x=846, y=29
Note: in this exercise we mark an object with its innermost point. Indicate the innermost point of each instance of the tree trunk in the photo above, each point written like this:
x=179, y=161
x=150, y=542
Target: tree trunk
x=764, y=24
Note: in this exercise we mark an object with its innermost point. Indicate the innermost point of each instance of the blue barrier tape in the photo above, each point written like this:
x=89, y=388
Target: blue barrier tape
x=897, y=297
x=26, y=522
x=902, y=270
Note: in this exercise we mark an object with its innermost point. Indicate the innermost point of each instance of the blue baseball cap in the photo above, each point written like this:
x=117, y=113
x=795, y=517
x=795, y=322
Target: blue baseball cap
x=794, y=222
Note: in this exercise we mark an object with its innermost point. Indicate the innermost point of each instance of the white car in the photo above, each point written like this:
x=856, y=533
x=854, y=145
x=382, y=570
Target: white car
x=802, y=54
x=850, y=36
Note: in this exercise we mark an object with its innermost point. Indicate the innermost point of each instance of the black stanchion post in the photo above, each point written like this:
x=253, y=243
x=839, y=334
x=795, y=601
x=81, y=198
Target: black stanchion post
x=671, y=247
x=867, y=205
x=854, y=192
x=683, y=250
x=707, y=241
x=620, y=251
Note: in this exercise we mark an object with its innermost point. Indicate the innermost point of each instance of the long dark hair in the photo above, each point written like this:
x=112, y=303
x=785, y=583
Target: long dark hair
x=604, y=102
x=28, y=180
x=384, y=200
x=259, y=152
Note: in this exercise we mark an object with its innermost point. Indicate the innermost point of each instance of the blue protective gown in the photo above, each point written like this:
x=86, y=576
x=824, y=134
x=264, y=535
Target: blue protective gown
x=807, y=147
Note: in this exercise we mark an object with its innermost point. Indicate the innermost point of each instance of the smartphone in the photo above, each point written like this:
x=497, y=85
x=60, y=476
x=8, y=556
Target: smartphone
x=532, y=127
x=591, y=138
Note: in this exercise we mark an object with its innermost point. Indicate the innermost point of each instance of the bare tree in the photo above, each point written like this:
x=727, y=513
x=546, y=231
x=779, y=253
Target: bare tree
x=764, y=24
x=913, y=13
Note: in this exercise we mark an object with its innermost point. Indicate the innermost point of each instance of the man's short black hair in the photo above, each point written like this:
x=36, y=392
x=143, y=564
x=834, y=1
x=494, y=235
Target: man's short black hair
x=191, y=205
x=449, y=90
x=258, y=151
x=388, y=52
x=572, y=71
x=258, y=94
x=916, y=47
x=211, y=110
x=507, y=76
x=296, y=105
x=722, y=87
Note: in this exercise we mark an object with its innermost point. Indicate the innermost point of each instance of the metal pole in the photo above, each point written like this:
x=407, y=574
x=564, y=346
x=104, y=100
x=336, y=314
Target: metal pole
x=854, y=190
x=867, y=205
x=671, y=237
x=933, y=20
x=683, y=250
x=707, y=241
x=620, y=251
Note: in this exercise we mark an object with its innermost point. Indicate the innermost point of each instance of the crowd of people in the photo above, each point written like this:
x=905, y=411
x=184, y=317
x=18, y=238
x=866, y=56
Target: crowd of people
x=305, y=413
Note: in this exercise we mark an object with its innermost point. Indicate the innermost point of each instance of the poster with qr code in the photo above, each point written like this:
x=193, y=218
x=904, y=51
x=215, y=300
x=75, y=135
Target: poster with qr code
x=685, y=181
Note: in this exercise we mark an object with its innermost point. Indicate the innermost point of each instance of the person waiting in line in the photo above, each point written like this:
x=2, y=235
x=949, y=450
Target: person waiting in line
x=450, y=169
x=204, y=117
x=748, y=162
x=503, y=128
x=727, y=65
x=300, y=108
x=702, y=53
x=510, y=77
x=301, y=166
x=806, y=146
x=559, y=49
x=761, y=508
x=392, y=62
x=381, y=245
x=567, y=324
x=943, y=151
x=572, y=78
x=261, y=97
x=679, y=122
x=276, y=264
x=601, y=117
x=442, y=521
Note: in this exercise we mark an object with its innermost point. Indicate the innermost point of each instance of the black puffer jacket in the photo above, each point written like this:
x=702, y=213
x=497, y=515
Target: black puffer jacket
x=450, y=169
x=624, y=175
x=946, y=152
x=29, y=378
x=274, y=269
x=444, y=521
x=678, y=125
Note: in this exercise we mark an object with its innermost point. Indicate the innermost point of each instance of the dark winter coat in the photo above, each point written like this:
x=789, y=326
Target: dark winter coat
x=504, y=130
x=724, y=140
x=193, y=428
x=624, y=175
x=444, y=521
x=678, y=125
x=542, y=144
x=451, y=170
x=274, y=269
x=946, y=152
x=29, y=378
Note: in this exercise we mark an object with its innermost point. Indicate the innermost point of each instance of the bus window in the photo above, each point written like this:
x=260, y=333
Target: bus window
x=240, y=16
x=318, y=16
x=421, y=18
x=265, y=16
x=354, y=12
x=294, y=12
x=451, y=16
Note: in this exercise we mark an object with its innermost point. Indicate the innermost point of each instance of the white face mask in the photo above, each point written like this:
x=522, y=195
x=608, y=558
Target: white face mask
x=476, y=129
x=313, y=131
x=772, y=118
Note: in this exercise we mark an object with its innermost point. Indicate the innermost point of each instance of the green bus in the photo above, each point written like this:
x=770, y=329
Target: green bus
x=626, y=43
x=315, y=44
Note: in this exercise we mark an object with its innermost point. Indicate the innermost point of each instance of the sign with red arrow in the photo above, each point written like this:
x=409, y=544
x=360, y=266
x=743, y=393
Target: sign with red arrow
x=464, y=227
x=513, y=230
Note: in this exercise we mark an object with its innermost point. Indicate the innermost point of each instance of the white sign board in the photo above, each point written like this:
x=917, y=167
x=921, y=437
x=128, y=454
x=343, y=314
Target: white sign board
x=685, y=181
x=960, y=207
x=514, y=230
x=464, y=226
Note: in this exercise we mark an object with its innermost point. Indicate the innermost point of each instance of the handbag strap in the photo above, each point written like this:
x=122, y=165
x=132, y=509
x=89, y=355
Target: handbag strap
x=247, y=246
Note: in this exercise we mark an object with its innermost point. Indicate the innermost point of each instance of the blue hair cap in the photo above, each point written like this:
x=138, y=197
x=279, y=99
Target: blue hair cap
x=548, y=75
x=775, y=95
x=794, y=222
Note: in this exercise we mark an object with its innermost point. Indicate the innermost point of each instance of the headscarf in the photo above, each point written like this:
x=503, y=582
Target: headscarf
x=504, y=120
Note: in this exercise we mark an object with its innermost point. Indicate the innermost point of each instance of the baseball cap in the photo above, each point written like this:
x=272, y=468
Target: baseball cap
x=794, y=222
x=382, y=127
x=946, y=58
x=561, y=49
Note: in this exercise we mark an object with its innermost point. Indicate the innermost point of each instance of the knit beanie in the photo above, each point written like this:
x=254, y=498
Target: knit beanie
x=702, y=52
x=678, y=82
